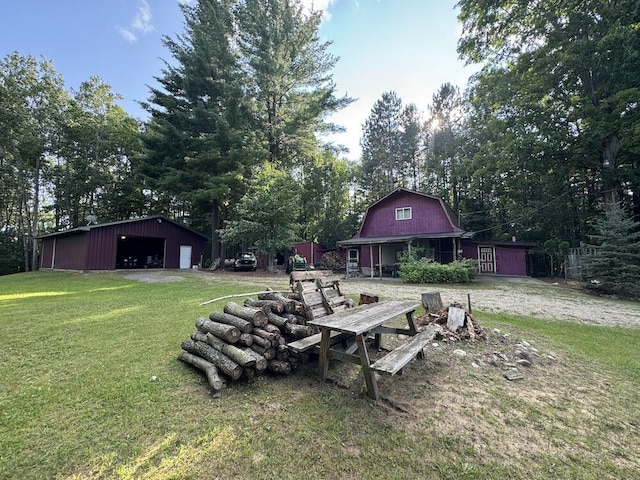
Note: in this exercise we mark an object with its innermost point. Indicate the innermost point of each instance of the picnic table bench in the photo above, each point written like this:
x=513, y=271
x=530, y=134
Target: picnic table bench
x=358, y=323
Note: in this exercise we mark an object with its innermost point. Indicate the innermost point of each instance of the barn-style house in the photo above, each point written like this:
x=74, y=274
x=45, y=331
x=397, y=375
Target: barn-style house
x=405, y=220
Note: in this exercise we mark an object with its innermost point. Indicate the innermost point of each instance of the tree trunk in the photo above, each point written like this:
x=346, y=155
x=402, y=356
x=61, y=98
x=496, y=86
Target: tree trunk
x=210, y=370
x=277, y=320
x=245, y=339
x=261, y=362
x=219, y=359
x=260, y=341
x=254, y=315
x=234, y=353
x=274, y=306
x=240, y=323
x=298, y=331
x=226, y=332
x=268, y=353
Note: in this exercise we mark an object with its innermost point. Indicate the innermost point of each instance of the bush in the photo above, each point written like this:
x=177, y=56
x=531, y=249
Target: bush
x=428, y=271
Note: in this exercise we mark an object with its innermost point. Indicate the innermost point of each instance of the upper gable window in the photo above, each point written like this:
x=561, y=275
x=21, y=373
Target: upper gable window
x=403, y=213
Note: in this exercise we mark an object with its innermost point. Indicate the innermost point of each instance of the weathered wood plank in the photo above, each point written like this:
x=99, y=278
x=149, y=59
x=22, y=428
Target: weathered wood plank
x=399, y=357
x=306, y=343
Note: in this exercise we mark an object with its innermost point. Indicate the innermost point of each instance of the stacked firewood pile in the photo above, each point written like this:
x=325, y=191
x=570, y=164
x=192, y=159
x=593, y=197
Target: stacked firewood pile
x=246, y=340
x=460, y=324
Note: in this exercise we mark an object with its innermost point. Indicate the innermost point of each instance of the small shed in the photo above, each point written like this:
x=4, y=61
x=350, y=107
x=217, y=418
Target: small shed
x=498, y=257
x=148, y=242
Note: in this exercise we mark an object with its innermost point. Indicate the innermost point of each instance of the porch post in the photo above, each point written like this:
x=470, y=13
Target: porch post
x=380, y=260
x=455, y=249
x=371, y=259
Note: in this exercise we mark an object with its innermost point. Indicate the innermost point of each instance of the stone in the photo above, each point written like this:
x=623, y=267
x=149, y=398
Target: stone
x=459, y=353
x=475, y=365
x=513, y=374
x=524, y=362
x=523, y=354
x=525, y=344
x=493, y=360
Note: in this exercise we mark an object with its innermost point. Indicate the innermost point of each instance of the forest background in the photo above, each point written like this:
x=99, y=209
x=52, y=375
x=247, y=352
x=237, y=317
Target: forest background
x=544, y=137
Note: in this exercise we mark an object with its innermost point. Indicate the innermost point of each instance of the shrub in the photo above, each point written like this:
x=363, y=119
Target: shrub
x=427, y=271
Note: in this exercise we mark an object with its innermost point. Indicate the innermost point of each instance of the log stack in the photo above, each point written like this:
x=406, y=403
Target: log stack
x=247, y=340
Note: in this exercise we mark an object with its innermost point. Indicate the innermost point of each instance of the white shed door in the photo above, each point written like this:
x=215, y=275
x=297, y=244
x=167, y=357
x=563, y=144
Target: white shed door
x=185, y=256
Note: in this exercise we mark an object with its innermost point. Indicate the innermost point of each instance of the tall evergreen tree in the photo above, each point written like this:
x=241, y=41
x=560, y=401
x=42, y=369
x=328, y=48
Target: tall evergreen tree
x=199, y=142
x=614, y=266
x=289, y=75
x=444, y=169
x=382, y=164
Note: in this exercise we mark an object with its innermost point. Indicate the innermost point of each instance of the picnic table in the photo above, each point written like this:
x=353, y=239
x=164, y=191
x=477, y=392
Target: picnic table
x=356, y=324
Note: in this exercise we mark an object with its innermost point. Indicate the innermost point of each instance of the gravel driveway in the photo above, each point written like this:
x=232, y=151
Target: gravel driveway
x=521, y=296
x=517, y=296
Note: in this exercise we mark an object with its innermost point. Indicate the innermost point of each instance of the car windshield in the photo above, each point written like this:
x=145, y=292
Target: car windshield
x=245, y=255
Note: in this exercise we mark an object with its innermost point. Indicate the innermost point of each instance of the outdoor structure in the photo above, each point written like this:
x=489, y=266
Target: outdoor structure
x=312, y=251
x=498, y=257
x=149, y=242
x=405, y=220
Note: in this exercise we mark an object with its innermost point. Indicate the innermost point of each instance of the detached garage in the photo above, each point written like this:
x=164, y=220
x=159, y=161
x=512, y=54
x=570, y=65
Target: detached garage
x=150, y=242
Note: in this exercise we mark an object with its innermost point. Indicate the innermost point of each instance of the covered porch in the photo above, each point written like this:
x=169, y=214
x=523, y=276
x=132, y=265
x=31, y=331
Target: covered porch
x=380, y=256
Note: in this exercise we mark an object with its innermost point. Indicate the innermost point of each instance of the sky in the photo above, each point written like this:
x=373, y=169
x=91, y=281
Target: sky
x=405, y=46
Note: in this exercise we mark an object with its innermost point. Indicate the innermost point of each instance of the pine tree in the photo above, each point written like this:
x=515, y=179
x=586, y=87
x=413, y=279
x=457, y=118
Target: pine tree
x=614, y=267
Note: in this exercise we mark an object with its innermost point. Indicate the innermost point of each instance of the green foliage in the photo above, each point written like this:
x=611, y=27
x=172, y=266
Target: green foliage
x=614, y=266
x=414, y=270
x=12, y=258
x=265, y=216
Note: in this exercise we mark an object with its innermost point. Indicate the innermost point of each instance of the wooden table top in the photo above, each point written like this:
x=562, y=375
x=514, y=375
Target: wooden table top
x=364, y=317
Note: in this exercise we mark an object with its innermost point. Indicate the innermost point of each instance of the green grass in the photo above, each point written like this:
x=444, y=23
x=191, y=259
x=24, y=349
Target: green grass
x=77, y=401
x=617, y=348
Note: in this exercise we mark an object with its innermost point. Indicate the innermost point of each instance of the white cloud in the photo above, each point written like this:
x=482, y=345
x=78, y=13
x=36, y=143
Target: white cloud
x=319, y=5
x=140, y=24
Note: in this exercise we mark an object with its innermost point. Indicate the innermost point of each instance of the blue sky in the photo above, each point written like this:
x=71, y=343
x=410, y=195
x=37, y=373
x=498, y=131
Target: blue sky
x=408, y=46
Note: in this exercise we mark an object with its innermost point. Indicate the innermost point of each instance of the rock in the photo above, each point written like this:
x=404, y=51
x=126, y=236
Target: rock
x=503, y=357
x=524, y=362
x=475, y=365
x=496, y=331
x=435, y=345
x=459, y=353
x=493, y=360
x=153, y=378
x=513, y=374
x=523, y=354
x=525, y=344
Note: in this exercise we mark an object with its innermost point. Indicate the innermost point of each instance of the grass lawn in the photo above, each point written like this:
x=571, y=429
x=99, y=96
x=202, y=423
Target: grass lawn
x=77, y=400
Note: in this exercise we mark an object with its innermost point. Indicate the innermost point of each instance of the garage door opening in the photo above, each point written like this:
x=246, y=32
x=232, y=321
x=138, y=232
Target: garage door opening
x=140, y=252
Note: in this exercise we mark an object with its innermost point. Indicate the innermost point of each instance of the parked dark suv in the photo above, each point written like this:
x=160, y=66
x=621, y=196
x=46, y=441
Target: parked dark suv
x=245, y=261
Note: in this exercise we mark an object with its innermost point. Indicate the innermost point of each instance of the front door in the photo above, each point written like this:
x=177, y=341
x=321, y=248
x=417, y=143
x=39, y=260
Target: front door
x=487, y=260
x=185, y=256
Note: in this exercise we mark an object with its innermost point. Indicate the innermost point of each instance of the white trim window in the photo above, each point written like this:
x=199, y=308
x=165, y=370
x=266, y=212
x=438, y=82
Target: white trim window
x=403, y=213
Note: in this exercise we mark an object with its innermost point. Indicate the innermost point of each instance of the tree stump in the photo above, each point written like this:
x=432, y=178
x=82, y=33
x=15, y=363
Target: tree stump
x=432, y=302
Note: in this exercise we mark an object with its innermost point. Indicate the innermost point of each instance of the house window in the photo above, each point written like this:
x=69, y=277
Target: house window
x=403, y=213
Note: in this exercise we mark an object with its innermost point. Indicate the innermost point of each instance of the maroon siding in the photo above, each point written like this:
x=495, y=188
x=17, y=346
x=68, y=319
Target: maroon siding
x=511, y=261
x=71, y=252
x=312, y=251
x=96, y=249
x=428, y=216
x=46, y=253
